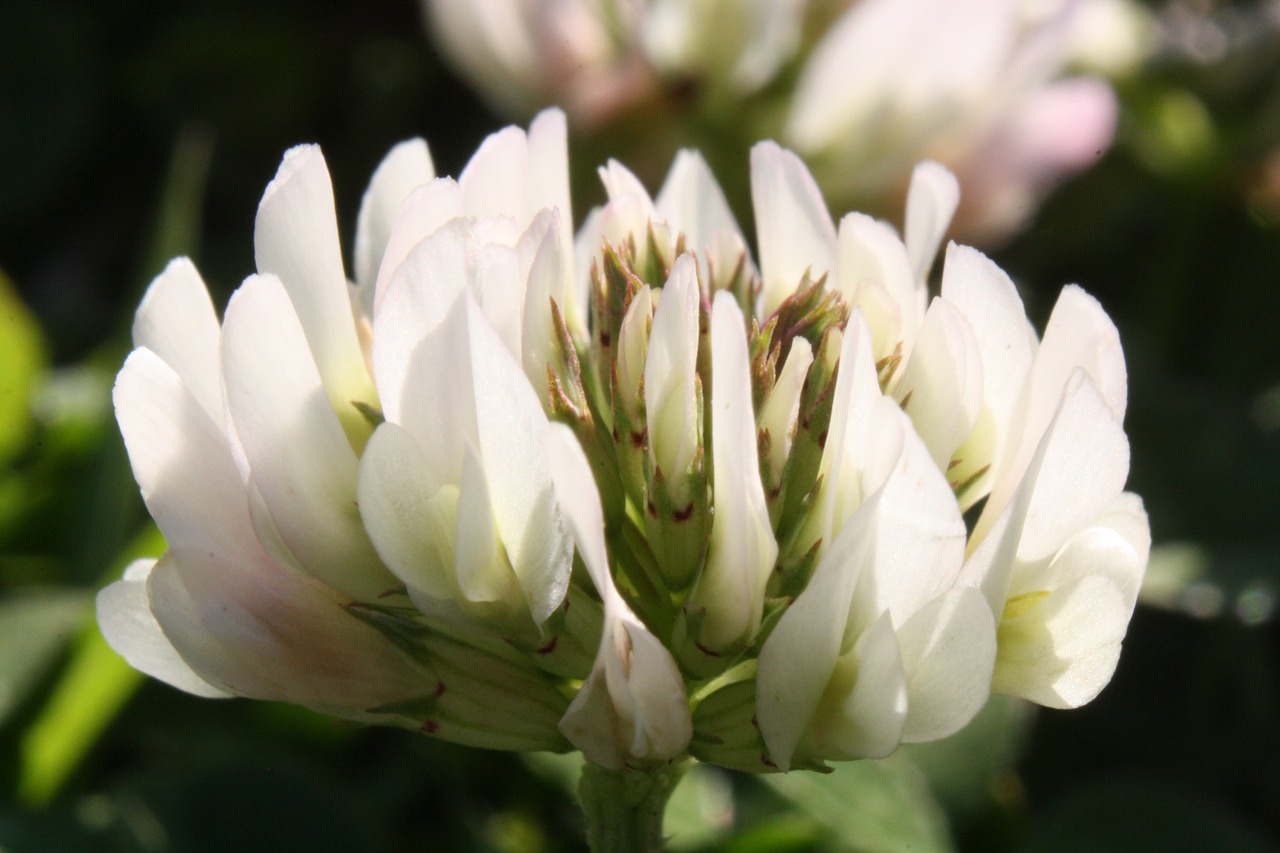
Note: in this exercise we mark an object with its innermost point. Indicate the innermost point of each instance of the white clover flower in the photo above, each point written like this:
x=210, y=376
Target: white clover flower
x=628, y=492
x=863, y=89
x=253, y=441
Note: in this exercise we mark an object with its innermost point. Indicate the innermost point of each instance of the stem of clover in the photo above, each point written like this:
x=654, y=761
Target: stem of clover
x=624, y=807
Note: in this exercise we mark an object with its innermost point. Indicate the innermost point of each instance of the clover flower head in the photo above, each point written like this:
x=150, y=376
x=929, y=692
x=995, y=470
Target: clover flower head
x=640, y=492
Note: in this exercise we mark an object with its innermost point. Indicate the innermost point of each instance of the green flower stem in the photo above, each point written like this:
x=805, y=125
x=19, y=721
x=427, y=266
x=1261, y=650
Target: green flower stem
x=624, y=807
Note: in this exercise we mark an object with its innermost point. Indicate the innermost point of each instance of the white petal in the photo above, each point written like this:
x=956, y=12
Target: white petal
x=1063, y=649
x=495, y=182
x=620, y=183
x=181, y=461
x=176, y=321
x=408, y=515
x=424, y=212
x=870, y=253
x=511, y=430
x=948, y=652
x=867, y=699
x=799, y=658
x=405, y=168
x=742, y=549
x=1006, y=343
x=919, y=533
x=129, y=627
x=670, y=369
x=502, y=294
x=633, y=344
x=483, y=575
x=633, y=704
x=300, y=457
x=422, y=291
x=793, y=228
x=848, y=434
x=654, y=694
x=932, y=199
x=296, y=239
x=549, y=179
x=940, y=386
x=692, y=202
x=782, y=407
x=244, y=623
x=1080, y=468
x=1079, y=335
x=580, y=502
x=548, y=280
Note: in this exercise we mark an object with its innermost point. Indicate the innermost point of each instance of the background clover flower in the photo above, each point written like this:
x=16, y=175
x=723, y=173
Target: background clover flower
x=675, y=505
x=863, y=89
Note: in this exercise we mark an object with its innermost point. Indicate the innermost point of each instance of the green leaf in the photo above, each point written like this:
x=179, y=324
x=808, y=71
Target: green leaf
x=871, y=806
x=35, y=627
x=22, y=357
x=92, y=688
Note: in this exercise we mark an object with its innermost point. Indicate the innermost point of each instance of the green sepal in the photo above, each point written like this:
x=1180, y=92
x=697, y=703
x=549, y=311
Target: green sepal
x=800, y=473
x=677, y=515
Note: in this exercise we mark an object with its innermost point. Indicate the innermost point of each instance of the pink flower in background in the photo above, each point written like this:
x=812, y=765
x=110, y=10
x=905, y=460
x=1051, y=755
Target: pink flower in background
x=862, y=90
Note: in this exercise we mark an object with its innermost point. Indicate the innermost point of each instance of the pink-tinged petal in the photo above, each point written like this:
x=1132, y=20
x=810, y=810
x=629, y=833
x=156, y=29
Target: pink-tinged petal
x=932, y=199
x=296, y=239
x=742, y=550
x=129, y=627
x=794, y=230
x=405, y=168
x=948, y=652
x=260, y=631
x=889, y=63
x=424, y=212
x=300, y=457
x=177, y=322
x=245, y=624
x=1055, y=132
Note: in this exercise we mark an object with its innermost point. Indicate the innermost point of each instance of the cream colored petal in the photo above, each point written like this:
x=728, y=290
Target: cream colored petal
x=176, y=321
x=299, y=455
x=296, y=239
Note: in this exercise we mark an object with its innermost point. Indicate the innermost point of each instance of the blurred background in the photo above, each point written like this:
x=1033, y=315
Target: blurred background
x=134, y=131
